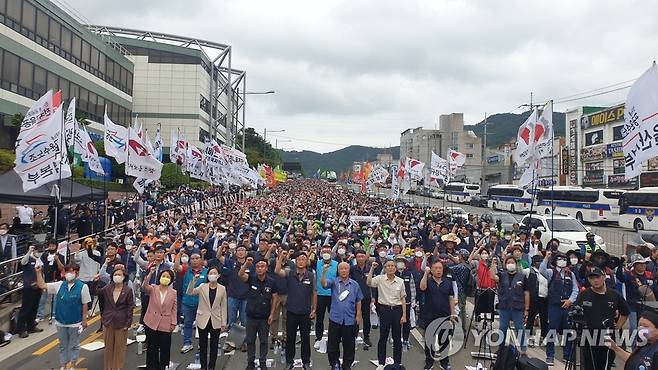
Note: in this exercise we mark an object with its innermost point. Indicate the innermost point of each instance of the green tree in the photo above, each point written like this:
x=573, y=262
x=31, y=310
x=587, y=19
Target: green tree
x=7, y=158
x=258, y=150
x=118, y=170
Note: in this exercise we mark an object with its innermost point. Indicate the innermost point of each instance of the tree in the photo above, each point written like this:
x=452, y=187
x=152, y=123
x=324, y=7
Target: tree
x=118, y=170
x=256, y=147
x=17, y=119
x=7, y=158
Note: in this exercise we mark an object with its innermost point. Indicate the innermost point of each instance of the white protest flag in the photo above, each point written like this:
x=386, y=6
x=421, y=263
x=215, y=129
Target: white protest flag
x=147, y=143
x=40, y=153
x=35, y=118
x=140, y=184
x=140, y=162
x=543, y=133
x=194, y=162
x=404, y=178
x=529, y=175
x=70, y=124
x=415, y=168
x=92, y=154
x=395, y=187
x=438, y=167
x=173, y=147
x=116, y=138
x=157, y=145
x=377, y=176
x=525, y=140
x=640, y=131
x=456, y=159
x=213, y=155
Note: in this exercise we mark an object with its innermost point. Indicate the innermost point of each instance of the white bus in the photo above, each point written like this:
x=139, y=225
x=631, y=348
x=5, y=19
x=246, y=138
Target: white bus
x=584, y=204
x=509, y=198
x=639, y=209
x=460, y=192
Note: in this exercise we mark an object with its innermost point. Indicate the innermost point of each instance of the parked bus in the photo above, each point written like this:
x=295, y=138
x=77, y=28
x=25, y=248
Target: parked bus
x=638, y=209
x=509, y=198
x=584, y=204
x=460, y=192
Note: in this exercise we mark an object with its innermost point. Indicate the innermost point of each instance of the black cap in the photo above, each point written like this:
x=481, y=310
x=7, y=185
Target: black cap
x=595, y=272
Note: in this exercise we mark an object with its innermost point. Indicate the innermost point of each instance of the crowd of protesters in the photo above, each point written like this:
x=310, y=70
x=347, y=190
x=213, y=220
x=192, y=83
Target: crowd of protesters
x=345, y=258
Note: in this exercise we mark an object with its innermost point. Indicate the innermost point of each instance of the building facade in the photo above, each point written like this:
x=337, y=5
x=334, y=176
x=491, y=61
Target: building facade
x=419, y=143
x=41, y=48
x=596, y=157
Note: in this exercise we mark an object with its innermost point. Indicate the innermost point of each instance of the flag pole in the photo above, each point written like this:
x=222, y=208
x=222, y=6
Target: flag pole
x=68, y=226
x=552, y=171
x=62, y=145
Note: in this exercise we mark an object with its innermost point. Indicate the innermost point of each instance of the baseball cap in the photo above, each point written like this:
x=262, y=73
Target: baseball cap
x=595, y=272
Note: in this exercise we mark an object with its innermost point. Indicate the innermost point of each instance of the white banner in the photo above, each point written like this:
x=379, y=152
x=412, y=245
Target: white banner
x=640, y=131
x=374, y=219
x=70, y=124
x=395, y=187
x=234, y=156
x=377, y=176
x=213, y=155
x=36, y=117
x=415, y=168
x=544, y=133
x=525, y=139
x=40, y=153
x=140, y=184
x=438, y=168
x=140, y=163
x=116, y=138
x=157, y=145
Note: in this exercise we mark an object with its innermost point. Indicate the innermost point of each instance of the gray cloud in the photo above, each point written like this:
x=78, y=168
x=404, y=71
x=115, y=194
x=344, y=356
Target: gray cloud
x=360, y=72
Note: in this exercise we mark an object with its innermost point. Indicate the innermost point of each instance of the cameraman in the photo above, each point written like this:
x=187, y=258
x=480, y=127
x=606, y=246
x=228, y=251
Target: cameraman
x=600, y=306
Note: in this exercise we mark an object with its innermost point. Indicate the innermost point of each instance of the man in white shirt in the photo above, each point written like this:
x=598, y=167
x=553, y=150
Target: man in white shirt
x=7, y=243
x=72, y=298
x=25, y=214
x=538, y=286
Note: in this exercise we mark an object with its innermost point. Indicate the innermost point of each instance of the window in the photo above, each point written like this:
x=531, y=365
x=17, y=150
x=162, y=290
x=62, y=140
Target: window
x=42, y=25
x=10, y=72
x=66, y=40
x=101, y=64
x=470, y=145
x=100, y=106
x=29, y=16
x=39, y=80
x=94, y=58
x=55, y=36
x=617, y=133
x=75, y=90
x=76, y=46
x=83, y=102
x=110, y=70
x=64, y=87
x=53, y=82
x=25, y=77
x=594, y=138
x=469, y=155
x=86, y=55
x=14, y=9
x=612, y=194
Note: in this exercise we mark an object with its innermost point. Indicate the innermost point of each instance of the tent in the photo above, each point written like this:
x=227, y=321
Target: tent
x=11, y=191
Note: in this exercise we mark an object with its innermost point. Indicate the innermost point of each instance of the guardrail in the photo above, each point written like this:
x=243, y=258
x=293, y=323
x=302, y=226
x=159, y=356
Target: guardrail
x=11, y=272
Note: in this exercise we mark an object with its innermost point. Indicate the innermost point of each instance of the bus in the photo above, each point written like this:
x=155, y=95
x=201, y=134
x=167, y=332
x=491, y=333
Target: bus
x=460, y=192
x=583, y=204
x=638, y=209
x=509, y=198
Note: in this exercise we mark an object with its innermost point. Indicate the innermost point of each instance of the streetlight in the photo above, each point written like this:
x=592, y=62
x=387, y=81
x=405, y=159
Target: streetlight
x=265, y=140
x=244, y=103
x=277, y=141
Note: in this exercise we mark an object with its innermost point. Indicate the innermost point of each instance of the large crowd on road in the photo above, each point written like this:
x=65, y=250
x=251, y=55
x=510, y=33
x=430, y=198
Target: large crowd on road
x=307, y=256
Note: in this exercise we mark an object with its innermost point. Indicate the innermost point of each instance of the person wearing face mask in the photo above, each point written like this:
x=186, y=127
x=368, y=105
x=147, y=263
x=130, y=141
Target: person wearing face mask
x=416, y=267
x=538, y=288
x=211, y=317
x=189, y=305
x=640, y=287
x=160, y=318
x=52, y=265
x=7, y=243
x=359, y=273
x=72, y=297
x=88, y=258
x=467, y=241
x=403, y=272
x=117, y=317
x=645, y=351
x=155, y=258
x=513, y=298
x=30, y=295
x=324, y=294
x=562, y=292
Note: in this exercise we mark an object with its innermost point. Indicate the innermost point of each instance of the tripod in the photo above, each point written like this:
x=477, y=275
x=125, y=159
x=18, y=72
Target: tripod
x=572, y=362
x=484, y=348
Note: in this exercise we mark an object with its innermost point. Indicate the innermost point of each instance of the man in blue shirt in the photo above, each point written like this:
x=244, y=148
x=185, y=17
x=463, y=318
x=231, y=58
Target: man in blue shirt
x=323, y=264
x=344, y=317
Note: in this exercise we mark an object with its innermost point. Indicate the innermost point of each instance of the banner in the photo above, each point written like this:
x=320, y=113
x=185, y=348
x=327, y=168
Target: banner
x=115, y=139
x=139, y=162
x=213, y=155
x=194, y=162
x=395, y=187
x=88, y=152
x=39, y=153
x=35, y=119
x=374, y=219
x=404, y=178
x=157, y=145
x=525, y=140
x=70, y=124
x=544, y=133
x=640, y=132
x=377, y=176
x=438, y=168
x=177, y=147
x=140, y=184
x=415, y=168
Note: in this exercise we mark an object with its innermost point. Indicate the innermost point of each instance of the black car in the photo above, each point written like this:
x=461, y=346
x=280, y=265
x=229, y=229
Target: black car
x=507, y=220
x=479, y=201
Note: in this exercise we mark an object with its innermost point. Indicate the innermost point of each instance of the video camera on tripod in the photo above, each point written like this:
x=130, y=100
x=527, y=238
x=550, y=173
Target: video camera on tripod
x=576, y=316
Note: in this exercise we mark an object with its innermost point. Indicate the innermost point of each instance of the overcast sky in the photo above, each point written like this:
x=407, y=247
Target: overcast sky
x=361, y=72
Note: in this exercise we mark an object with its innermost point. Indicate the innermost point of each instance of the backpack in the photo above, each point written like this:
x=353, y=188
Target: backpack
x=506, y=358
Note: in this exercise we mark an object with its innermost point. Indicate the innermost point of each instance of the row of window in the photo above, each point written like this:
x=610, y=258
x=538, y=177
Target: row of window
x=596, y=137
x=33, y=23
x=22, y=77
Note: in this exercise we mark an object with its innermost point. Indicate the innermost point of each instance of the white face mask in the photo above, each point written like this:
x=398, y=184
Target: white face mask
x=475, y=235
x=69, y=276
x=418, y=254
x=561, y=263
x=508, y=237
x=118, y=279
x=380, y=241
x=341, y=251
x=232, y=245
x=189, y=243
x=486, y=233
x=574, y=261
x=484, y=256
x=326, y=256
x=3, y=232
x=382, y=254
x=511, y=267
x=400, y=265
x=184, y=259
x=213, y=278
x=369, y=232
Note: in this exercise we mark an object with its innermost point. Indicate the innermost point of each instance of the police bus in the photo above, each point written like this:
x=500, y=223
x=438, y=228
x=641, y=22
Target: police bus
x=584, y=204
x=460, y=192
x=509, y=198
x=639, y=209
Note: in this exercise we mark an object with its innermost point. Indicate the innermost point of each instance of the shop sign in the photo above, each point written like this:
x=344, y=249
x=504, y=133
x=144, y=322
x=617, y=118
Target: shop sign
x=602, y=117
x=593, y=153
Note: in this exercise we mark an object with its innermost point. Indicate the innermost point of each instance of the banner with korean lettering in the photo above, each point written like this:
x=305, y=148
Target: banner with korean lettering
x=141, y=183
x=140, y=163
x=40, y=152
x=377, y=176
x=116, y=138
x=35, y=118
x=438, y=168
x=395, y=187
x=640, y=132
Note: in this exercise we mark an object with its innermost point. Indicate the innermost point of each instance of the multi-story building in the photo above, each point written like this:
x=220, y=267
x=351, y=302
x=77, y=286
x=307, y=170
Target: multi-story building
x=596, y=157
x=498, y=166
x=42, y=47
x=552, y=171
x=419, y=143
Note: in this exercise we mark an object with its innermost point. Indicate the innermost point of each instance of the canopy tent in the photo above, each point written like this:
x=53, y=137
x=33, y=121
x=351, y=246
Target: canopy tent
x=11, y=191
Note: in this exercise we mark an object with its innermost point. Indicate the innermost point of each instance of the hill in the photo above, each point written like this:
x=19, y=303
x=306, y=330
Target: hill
x=339, y=160
x=502, y=127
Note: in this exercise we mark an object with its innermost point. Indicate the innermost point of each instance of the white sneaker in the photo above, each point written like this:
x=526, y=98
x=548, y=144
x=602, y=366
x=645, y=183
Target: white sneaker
x=380, y=367
x=177, y=329
x=316, y=345
x=186, y=348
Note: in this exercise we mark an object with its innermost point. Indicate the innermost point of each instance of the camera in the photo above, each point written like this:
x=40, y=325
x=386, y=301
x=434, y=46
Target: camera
x=576, y=316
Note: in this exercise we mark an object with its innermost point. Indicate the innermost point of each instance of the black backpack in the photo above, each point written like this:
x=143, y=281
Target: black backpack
x=506, y=358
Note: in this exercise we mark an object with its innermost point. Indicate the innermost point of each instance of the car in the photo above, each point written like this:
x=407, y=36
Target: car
x=479, y=201
x=437, y=194
x=569, y=231
x=457, y=212
x=507, y=220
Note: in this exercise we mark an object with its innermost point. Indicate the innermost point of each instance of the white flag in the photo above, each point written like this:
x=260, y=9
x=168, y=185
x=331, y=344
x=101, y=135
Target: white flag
x=140, y=163
x=35, y=118
x=377, y=176
x=70, y=124
x=438, y=168
x=116, y=138
x=40, y=153
x=140, y=184
x=213, y=155
x=543, y=133
x=640, y=131
x=194, y=162
x=147, y=143
x=415, y=168
x=395, y=187
x=404, y=178
x=525, y=140
x=529, y=175
x=455, y=158
x=91, y=154
x=157, y=145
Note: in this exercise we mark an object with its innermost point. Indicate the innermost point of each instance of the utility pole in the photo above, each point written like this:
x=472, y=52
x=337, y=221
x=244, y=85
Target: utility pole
x=484, y=149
